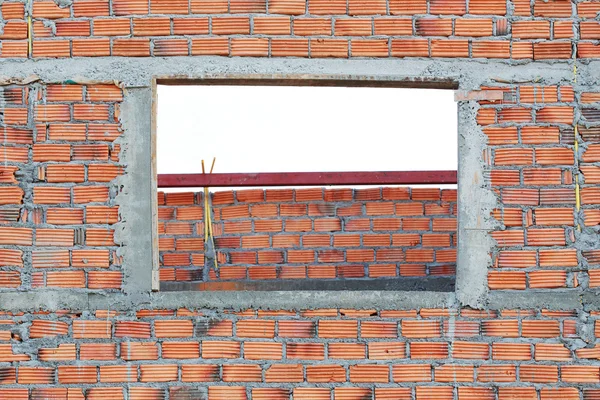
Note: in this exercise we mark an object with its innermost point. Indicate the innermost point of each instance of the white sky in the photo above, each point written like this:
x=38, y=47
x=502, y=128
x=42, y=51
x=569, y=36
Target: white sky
x=293, y=129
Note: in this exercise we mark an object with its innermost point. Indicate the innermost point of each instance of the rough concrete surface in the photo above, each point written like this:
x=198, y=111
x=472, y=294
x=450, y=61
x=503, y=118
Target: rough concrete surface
x=134, y=230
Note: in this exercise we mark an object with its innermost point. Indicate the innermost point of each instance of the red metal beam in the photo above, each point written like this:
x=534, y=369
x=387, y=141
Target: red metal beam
x=307, y=179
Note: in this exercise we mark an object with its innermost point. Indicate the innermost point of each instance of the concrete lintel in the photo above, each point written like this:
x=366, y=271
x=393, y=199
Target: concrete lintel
x=591, y=299
x=50, y=300
x=557, y=300
x=139, y=72
x=304, y=300
x=58, y=300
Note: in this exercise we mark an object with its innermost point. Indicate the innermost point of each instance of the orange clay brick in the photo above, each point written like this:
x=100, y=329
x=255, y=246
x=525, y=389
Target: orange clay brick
x=450, y=48
x=531, y=29
x=131, y=47
x=326, y=7
x=16, y=236
x=393, y=26
x=41, y=30
x=552, y=50
x=398, y=7
x=370, y=48
x=169, y=7
x=473, y=27
x=91, y=8
x=272, y=25
x=265, y=351
x=352, y=27
x=51, y=152
x=15, y=116
x=128, y=7
x=13, y=10
x=98, y=351
x=284, y=373
x=72, y=28
x=554, y=8
x=428, y=350
x=312, y=26
x=51, y=48
x=454, y=373
x=220, y=349
x=11, y=195
x=506, y=280
x=91, y=47
x=50, y=10
x=328, y=48
x=52, y=113
x=410, y=48
x=290, y=7
x=13, y=49
x=487, y=7
x=433, y=27
x=491, y=49
x=151, y=26
x=369, y=373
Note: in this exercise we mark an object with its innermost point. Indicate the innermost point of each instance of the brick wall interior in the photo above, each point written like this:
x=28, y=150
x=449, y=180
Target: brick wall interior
x=311, y=233
x=59, y=181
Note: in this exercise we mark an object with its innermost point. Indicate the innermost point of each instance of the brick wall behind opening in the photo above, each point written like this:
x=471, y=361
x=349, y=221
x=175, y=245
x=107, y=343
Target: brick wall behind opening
x=311, y=233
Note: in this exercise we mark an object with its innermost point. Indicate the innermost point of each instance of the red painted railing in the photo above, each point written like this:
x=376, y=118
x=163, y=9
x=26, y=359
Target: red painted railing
x=307, y=179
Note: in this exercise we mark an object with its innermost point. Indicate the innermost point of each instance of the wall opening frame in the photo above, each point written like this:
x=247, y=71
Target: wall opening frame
x=477, y=199
x=288, y=80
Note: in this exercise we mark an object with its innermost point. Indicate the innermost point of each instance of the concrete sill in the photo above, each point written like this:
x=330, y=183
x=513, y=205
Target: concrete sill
x=434, y=284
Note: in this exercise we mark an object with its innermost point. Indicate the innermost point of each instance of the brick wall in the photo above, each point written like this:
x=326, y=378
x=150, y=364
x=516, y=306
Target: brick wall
x=60, y=185
x=533, y=167
x=517, y=29
x=311, y=233
x=423, y=354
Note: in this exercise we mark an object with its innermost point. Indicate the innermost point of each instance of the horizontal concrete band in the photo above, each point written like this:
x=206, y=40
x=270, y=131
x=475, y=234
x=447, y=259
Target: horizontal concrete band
x=139, y=72
x=386, y=300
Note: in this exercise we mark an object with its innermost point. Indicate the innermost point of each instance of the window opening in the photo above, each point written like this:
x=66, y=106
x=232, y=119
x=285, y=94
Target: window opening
x=375, y=230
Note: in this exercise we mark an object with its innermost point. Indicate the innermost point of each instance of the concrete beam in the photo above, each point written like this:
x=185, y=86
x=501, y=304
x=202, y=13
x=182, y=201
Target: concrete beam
x=139, y=72
x=53, y=300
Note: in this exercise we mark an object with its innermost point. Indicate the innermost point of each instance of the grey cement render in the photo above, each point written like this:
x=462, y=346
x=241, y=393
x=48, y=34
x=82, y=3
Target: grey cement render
x=134, y=230
x=475, y=204
x=136, y=191
x=52, y=300
x=139, y=72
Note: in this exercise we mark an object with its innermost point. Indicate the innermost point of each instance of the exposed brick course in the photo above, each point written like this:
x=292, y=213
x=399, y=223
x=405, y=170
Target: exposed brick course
x=483, y=29
x=359, y=353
